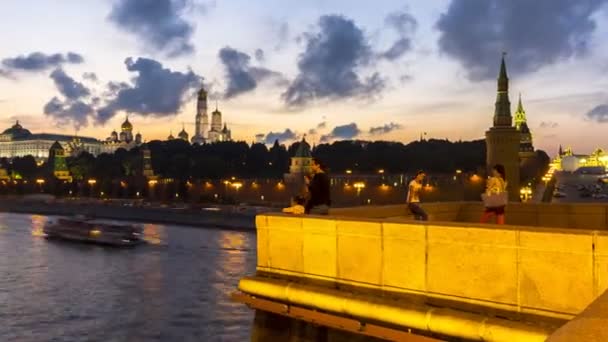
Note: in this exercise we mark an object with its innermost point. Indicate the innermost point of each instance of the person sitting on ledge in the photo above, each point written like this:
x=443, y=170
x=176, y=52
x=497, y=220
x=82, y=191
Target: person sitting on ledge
x=319, y=194
x=297, y=206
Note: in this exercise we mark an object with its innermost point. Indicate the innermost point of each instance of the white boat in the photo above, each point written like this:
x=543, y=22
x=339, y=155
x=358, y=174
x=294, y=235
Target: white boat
x=82, y=229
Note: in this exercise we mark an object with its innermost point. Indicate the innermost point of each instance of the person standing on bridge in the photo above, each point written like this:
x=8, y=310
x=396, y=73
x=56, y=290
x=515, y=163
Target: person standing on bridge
x=413, y=197
x=319, y=198
x=495, y=197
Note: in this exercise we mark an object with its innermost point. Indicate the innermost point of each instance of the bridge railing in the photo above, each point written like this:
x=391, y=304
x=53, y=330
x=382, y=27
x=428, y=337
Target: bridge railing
x=549, y=272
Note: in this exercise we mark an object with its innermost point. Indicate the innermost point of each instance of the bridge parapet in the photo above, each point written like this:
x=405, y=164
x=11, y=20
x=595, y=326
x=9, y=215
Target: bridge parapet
x=525, y=274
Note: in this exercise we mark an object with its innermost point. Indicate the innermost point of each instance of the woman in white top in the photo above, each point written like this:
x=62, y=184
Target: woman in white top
x=496, y=184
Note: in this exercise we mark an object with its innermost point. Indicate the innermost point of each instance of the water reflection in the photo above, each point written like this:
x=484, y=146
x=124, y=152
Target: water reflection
x=176, y=288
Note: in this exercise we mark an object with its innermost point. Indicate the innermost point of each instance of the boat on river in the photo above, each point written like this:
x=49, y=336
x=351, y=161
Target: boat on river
x=90, y=230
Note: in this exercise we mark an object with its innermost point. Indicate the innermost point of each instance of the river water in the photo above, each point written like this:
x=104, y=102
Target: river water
x=175, y=288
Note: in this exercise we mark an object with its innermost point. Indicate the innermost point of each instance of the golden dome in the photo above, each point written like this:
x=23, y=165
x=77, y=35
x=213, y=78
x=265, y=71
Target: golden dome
x=126, y=126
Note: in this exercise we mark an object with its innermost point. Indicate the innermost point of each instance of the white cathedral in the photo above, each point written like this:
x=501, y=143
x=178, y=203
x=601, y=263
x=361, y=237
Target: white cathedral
x=203, y=133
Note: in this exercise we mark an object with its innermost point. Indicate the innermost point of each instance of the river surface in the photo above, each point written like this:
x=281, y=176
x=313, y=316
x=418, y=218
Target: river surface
x=175, y=288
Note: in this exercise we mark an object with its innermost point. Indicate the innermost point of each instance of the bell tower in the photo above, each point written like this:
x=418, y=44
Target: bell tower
x=502, y=139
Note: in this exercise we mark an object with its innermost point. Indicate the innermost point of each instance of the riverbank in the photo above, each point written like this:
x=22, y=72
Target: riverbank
x=225, y=217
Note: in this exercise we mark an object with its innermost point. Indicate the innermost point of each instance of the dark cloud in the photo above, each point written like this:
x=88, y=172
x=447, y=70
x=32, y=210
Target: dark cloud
x=405, y=25
x=548, y=124
x=534, y=33
x=67, y=86
x=155, y=90
x=598, y=114
x=259, y=55
x=158, y=23
x=69, y=112
x=329, y=64
x=38, y=61
x=75, y=108
x=287, y=135
x=91, y=76
x=343, y=132
x=240, y=75
x=387, y=128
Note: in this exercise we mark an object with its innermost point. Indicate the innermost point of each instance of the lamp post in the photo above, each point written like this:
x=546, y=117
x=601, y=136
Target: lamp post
x=91, y=183
x=40, y=183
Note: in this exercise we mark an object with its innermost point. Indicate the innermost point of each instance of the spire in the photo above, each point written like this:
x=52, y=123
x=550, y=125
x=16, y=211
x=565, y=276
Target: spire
x=502, y=111
x=520, y=115
x=216, y=105
x=561, y=151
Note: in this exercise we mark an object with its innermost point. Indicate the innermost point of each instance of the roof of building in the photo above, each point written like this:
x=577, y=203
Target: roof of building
x=183, y=134
x=303, y=150
x=16, y=130
x=56, y=146
x=524, y=128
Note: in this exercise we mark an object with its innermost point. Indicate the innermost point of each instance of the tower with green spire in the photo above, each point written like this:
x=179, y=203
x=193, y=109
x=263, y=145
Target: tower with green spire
x=502, y=139
x=526, y=148
x=58, y=163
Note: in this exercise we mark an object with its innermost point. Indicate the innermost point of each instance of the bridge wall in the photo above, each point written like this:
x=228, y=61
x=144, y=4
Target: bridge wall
x=549, y=272
x=556, y=215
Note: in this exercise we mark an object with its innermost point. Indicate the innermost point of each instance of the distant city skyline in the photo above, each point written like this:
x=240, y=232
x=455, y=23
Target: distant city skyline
x=331, y=70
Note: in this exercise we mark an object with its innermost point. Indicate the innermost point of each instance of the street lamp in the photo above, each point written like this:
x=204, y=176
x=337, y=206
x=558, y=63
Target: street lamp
x=359, y=186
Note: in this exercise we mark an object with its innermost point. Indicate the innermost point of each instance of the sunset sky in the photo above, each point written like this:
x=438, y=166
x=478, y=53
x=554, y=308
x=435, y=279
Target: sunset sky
x=331, y=69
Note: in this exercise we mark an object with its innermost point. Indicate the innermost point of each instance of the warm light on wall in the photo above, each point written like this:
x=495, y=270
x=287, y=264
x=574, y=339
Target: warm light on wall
x=40, y=181
x=152, y=182
x=359, y=185
x=475, y=178
x=349, y=172
x=381, y=171
x=92, y=181
x=237, y=185
x=458, y=172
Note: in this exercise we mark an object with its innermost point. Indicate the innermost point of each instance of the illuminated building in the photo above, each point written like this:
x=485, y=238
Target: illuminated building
x=570, y=162
x=526, y=148
x=300, y=164
x=58, y=163
x=18, y=141
x=202, y=131
x=503, y=139
x=123, y=140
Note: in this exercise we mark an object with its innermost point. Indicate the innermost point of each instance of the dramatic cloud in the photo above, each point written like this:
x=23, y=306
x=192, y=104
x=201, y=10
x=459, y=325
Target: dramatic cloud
x=68, y=87
x=328, y=66
x=74, y=109
x=155, y=90
x=38, y=61
x=405, y=25
x=280, y=136
x=387, y=128
x=534, y=33
x=91, y=76
x=158, y=23
x=69, y=112
x=598, y=114
x=343, y=132
x=240, y=75
x=548, y=124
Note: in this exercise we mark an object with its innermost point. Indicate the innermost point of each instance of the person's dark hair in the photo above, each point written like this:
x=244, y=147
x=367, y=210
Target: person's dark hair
x=320, y=163
x=419, y=172
x=299, y=200
x=501, y=170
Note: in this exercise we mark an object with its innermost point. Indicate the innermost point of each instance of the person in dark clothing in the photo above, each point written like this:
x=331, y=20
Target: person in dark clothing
x=319, y=196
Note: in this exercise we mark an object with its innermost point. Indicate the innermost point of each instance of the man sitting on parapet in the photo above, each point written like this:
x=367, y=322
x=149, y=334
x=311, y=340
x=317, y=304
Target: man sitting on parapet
x=319, y=197
x=413, y=197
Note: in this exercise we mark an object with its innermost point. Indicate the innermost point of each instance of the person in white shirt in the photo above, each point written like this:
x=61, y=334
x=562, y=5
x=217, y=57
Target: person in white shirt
x=297, y=206
x=413, y=197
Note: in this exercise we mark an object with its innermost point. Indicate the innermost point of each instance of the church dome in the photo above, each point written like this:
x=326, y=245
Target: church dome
x=183, y=135
x=170, y=137
x=303, y=150
x=17, y=130
x=216, y=112
x=126, y=126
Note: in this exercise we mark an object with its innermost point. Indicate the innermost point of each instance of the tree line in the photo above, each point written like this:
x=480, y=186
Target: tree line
x=180, y=160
